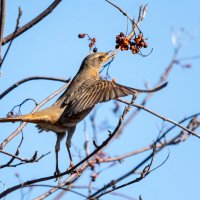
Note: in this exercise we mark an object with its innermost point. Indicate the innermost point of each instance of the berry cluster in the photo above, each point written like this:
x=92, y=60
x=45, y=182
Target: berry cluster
x=122, y=42
x=125, y=43
x=92, y=41
x=138, y=43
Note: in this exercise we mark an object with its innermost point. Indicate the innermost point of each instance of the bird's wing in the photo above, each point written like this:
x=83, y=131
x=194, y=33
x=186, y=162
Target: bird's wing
x=96, y=92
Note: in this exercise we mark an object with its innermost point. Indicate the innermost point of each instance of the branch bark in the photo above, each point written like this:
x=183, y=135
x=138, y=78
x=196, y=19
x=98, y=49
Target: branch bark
x=2, y=22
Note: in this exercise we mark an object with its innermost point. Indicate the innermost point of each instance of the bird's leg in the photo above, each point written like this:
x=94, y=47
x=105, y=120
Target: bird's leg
x=135, y=94
x=57, y=149
x=68, y=144
x=70, y=156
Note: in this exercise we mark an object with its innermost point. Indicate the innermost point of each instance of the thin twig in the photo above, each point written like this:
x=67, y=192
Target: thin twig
x=145, y=160
x=33, y=22
x=57, y=187
x=71, y=179
x=193, y=124
x=12, y=155
x=113, y=193
x=15, y=85
x=146, y=171
x=160, y=116
x=124, y=13
x=12, y=39
x=190, y=58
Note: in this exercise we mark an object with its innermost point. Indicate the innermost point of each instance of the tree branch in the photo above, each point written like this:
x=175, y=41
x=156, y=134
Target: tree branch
x=11, y=41
x=149, y=156
x=33, y=22
x=15, y=85
x=2, y=22
x=160, y=116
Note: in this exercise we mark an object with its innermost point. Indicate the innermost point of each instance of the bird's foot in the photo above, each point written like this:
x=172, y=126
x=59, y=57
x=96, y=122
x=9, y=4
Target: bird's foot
x=69, y=169
x=71, y=166
x=58, y=179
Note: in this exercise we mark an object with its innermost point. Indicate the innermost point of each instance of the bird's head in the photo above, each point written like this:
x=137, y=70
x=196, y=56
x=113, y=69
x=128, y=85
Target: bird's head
x=96, y=60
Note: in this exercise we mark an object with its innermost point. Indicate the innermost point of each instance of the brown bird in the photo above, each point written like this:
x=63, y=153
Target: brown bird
x=84, y=92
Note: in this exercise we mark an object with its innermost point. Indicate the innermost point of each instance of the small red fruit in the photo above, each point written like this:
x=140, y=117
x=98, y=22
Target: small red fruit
x=121, y=34
x=81, y=35
x=140, y=35
x=94, y=40
x=145, y=45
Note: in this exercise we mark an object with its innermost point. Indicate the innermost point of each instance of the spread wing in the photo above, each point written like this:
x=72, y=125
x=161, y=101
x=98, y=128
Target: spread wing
x=95, y=92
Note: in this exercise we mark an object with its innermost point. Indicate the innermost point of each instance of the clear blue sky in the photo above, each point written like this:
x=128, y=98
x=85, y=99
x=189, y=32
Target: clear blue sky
x=52, y=48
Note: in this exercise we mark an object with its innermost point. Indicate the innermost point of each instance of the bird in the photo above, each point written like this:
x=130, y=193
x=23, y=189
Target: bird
x=84, y=91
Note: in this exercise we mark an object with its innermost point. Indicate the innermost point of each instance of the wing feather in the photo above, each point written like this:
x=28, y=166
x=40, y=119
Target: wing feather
x=96, y=92
x=92, y=92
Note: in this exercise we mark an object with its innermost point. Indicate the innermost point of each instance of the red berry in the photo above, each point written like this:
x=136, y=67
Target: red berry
x=118, y=41
x=140, y=35
x=94, y=40
x=81, y=35
x=121, y=34
x=145, y=45
x=117, y=37
x=142, y=43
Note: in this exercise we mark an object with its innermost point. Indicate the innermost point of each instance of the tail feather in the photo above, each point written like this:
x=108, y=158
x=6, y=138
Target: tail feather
x=11, y=119
x=31, y=118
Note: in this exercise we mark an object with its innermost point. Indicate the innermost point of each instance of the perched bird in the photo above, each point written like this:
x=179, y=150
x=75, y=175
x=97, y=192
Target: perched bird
x=84, y=92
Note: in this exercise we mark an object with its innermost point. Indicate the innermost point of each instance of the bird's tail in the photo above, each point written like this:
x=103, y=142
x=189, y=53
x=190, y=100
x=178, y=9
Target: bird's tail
x=31, y=118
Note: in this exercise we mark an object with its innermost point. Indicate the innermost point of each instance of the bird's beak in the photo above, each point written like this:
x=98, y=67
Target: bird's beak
x=109, y=55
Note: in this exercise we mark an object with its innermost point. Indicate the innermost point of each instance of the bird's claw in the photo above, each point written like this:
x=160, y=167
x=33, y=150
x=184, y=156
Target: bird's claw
x=57, y=172
x=71, y=166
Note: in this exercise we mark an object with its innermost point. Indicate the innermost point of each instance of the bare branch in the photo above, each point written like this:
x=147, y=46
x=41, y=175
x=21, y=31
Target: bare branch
x=23, y=160
x=147, y=158
x=15, y=85
x=71, y=179
x=33, y=22
x=124, y=13
x=11, y=41
x=57, y=187
x=146, y=171
x=2, y=22
x=161, y=117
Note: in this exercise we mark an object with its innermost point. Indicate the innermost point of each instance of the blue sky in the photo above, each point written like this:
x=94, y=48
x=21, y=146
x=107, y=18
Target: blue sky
x=52, y=48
